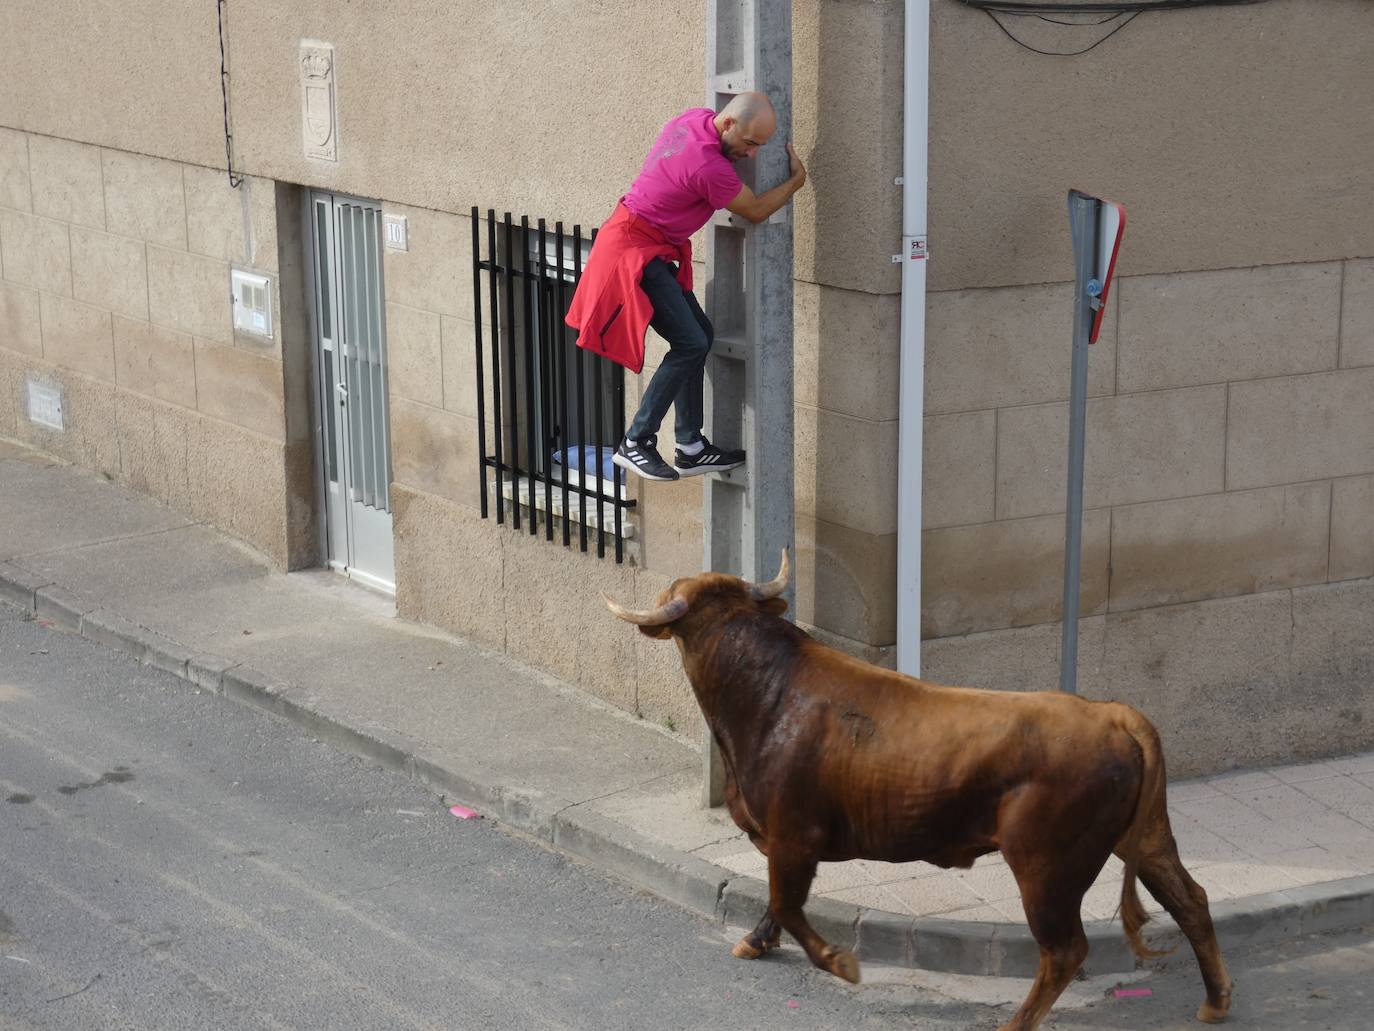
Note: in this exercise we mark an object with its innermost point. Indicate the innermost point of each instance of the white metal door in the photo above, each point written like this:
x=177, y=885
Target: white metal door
x=350, y=335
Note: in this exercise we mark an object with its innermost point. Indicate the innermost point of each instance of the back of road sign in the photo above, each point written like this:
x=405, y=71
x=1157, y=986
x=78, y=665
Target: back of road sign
x=1110, y=224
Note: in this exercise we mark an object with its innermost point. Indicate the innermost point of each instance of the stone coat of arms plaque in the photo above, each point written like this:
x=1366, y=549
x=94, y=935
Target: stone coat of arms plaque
x=318, y=122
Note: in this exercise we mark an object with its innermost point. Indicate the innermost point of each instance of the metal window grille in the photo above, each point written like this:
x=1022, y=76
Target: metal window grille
x=552, y=404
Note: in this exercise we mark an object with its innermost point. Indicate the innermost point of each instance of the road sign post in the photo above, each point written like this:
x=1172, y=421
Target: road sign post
x=1095, y=226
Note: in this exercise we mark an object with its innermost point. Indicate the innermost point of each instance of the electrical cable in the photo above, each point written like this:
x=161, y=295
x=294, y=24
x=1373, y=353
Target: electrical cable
x=1128, y=10
x=224, y=92
x=1060, y=21
x=1066, y=53
x=1096, y=6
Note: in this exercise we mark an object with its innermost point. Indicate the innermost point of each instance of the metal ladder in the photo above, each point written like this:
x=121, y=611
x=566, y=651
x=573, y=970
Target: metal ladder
x=748, y=512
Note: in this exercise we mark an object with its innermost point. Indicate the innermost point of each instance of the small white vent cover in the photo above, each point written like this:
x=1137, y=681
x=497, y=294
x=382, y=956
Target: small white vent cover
x=45, y=405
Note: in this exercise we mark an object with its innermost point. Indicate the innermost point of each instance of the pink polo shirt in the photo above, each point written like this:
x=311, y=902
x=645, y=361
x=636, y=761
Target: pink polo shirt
x=685, y=179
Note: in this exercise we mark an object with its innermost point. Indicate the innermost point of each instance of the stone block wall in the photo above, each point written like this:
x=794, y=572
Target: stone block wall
x=114, y=289
x=1228, y=532
x=536, y=600
x=1230, y=441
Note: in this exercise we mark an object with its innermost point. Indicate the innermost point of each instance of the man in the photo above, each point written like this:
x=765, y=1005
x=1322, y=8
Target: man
x=639, y=274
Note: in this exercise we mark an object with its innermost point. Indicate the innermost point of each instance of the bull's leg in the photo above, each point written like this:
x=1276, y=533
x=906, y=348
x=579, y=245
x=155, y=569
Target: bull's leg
x=1164, y=876
x=761, y=939
x=1053, y=883
x=789, y=882
x=1058, y=930
x=767, y=934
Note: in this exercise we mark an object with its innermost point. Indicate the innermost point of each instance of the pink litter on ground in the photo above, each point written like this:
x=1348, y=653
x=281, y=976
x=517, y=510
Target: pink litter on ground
x=793, y=1004
x=1134, y=993
x=463, y=812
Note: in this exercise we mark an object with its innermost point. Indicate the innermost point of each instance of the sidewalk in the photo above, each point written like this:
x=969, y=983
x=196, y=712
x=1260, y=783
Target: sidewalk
x=1280, y=851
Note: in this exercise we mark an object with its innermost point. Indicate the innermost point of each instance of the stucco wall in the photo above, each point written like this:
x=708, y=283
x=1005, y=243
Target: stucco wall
x=1235, y=136
x=1217, y=151
x=847, y=109
x=535, y=106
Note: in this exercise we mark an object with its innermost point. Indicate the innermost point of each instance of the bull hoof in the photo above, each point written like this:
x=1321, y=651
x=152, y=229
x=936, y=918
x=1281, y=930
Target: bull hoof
x=1209, y=1013
x=744, y=950
x=842, y=963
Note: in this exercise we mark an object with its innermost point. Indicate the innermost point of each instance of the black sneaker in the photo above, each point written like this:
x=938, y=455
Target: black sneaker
x=710, y=459
x=643, y=459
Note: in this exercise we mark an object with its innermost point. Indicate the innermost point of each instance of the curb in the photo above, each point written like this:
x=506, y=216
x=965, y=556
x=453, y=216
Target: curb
x=928, y=943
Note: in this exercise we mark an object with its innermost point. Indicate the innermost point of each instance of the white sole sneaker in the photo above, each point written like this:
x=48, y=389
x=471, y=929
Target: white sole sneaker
x=629, y=466
x=701, y=470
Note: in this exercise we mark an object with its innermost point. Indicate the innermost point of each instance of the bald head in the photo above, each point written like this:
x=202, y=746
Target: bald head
x=751, y=109
x=745, y=124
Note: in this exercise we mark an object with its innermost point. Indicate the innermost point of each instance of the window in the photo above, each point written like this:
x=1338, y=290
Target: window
x=593, y=422
x=558, y=411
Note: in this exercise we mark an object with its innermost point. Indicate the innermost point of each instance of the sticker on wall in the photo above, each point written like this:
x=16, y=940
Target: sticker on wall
x=318, y=121
x=395, y=232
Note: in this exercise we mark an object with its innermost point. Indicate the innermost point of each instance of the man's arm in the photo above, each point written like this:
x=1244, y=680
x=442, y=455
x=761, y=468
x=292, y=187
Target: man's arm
x=757, y=207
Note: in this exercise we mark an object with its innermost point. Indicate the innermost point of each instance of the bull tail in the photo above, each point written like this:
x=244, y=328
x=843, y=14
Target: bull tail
x=1150, y=806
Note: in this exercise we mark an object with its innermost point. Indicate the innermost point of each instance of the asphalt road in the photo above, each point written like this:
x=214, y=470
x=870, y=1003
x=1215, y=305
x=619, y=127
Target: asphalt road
x=172, y=861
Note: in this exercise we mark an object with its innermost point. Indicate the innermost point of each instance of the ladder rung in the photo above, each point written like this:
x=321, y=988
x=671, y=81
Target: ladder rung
x=736, y=477
x=724, y=219
x=732, y=81
x=727, y=345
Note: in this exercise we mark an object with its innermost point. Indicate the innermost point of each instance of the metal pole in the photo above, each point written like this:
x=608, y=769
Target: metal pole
x=915, y=159
x=1084, y=224
x=481, y=386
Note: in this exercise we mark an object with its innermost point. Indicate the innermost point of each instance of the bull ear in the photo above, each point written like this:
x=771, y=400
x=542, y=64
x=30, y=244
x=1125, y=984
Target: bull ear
x=658, y=633
x=774, y=606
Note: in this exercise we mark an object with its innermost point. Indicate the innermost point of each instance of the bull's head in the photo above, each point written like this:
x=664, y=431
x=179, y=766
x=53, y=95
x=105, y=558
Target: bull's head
x=678, y=600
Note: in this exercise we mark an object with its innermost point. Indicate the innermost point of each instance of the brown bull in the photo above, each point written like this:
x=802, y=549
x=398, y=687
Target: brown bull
x=829, y=758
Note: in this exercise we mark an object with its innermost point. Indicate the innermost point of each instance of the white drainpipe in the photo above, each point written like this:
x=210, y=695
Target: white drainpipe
x=911, y=411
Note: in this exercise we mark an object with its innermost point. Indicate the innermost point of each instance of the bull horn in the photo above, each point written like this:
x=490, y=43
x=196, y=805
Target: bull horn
x=774, y=587
x=665, y=613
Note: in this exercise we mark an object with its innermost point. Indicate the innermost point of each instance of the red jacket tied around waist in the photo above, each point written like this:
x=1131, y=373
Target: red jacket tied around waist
x=609, y=310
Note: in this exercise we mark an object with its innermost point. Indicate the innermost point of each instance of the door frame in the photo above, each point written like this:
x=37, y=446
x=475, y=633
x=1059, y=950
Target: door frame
x=323, y=393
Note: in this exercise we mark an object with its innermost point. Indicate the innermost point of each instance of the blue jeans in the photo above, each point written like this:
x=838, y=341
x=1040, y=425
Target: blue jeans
x=678, y=319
